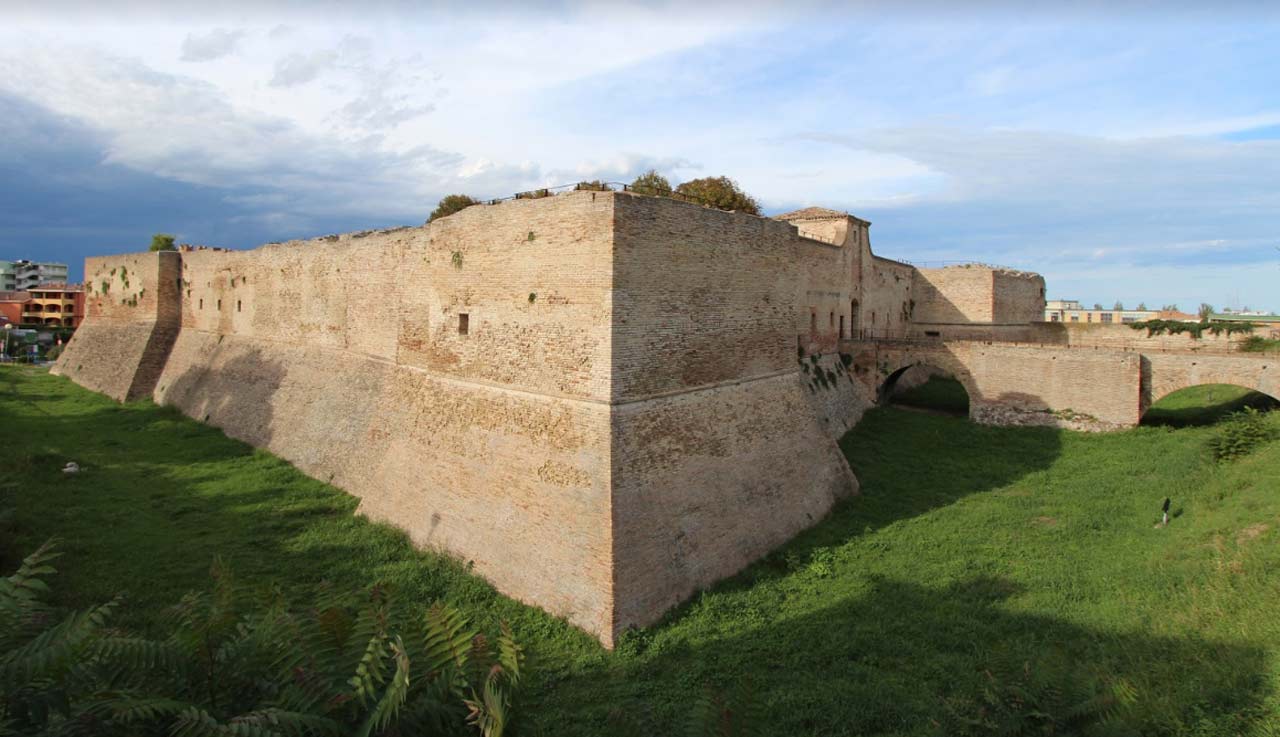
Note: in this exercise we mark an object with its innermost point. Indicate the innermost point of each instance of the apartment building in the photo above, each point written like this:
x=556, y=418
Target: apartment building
x=21, y=275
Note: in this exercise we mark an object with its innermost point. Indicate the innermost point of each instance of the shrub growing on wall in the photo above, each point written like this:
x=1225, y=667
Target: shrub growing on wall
x=162, y=242
x=451, y=204
x=719, y=192
x=651, y=183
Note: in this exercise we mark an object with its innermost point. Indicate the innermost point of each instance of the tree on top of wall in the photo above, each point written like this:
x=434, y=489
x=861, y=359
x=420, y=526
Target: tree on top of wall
x=595, y=185
x=1142, y=305
x=1097, y=305
x=652, y=183
x=1170, y=308
x=162, y=242
x=721, y=193
x=1205, y=311
x=451, y=204
x=1119, y=305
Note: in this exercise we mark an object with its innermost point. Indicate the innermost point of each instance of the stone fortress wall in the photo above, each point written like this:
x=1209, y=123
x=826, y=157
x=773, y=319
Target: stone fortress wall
x=603, y=401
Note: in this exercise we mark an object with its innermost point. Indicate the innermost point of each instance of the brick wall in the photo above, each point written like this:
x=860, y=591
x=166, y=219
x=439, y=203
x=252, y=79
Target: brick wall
x=718, y=455
x=1018, y=297
x=886, y=294
x=1165, y=373
x=972, y=293
x=1126, y=338
x=132, y=301
x=954, y=294
x=344, y=355
x=1024, y=384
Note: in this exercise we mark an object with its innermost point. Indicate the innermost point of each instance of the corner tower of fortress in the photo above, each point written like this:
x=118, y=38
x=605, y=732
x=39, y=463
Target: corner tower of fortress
x=596, y=397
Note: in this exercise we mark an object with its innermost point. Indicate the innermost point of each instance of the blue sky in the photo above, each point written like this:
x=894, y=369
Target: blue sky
x=1126, y=151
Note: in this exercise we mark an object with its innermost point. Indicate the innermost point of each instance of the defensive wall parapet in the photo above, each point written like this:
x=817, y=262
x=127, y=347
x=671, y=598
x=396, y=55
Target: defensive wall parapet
x=594, y=398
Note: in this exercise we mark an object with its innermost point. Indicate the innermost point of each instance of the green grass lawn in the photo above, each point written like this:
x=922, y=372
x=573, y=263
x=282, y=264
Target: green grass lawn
x=941, y=393
x=980, y=569
x=1204, y=405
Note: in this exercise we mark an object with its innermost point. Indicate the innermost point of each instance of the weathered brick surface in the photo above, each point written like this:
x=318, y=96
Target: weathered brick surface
x=1124, y=337
x=886, y=295
x=604, y=401
x=1165, y=373
x=1017, y=384
x=707, y=481
x=711, y=413
x=972, y=293
x=132, y=301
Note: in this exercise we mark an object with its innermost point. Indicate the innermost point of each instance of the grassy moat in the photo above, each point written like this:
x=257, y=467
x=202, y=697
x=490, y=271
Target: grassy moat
x=985, y=577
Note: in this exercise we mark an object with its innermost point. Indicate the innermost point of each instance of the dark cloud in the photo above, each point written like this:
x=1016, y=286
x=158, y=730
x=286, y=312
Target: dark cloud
x=61, y=200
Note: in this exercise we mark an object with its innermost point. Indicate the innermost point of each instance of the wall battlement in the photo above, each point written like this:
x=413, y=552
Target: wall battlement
x=604, y=401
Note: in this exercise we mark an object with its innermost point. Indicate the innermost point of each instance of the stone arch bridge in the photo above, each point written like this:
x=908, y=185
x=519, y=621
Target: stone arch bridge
x=1084, y=387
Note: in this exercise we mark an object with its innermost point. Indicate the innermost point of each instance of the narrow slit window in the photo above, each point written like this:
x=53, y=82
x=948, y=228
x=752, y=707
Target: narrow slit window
x=219, y=305
x=202, y=303
x=237, y=305
x=813, y=321
x=464, y=323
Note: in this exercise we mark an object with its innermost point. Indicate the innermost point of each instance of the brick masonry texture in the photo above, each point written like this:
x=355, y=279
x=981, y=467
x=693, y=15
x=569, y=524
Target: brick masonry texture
x=603, y=401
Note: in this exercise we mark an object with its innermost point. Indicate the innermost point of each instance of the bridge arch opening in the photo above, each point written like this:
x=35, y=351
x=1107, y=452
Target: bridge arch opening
x=926, y=387
x=1205, y=404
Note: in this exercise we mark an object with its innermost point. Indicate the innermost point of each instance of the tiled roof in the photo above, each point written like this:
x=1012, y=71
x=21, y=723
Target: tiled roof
x=812, y=213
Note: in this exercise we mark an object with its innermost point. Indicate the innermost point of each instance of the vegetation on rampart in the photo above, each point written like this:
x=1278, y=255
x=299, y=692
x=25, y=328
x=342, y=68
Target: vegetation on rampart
x=721, y=193
x=162, y=242
x=651, y=183
x=451, y=204
x=1259, y=344
x=987, y=580
x=1194, y=329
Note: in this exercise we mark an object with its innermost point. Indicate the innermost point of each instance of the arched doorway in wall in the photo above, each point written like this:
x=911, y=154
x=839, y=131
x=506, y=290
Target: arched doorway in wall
x=853, y=319
x=927, y=388
x=1205, y=404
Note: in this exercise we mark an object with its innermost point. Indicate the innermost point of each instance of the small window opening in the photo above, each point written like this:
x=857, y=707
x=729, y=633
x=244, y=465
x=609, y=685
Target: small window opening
x=932, y=333
x=464, y=323
x=813, y=321
x=831, y=320
x=202, y=304
x=219, y=305
x=842, y=335
x=237, y=305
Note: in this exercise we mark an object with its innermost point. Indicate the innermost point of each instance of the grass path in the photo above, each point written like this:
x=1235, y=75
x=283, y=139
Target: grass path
x=978, y=563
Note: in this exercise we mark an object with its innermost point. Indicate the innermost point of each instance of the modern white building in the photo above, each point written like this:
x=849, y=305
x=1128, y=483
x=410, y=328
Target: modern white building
x=22, y=275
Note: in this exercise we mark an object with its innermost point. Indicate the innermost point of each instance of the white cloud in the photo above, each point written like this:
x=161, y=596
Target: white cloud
x=209, y=46
x=300, y=68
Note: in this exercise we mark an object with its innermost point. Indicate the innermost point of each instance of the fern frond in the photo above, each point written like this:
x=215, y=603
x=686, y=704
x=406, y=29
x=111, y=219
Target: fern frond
x=448, y=638
x=285, y=722
x=488, y=710
x=510, y=654
x=388, y=707
x=371, y=672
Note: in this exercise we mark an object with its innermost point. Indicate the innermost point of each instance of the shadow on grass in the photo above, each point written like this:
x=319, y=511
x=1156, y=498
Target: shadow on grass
x=1205, y=405
x=902, y=658
x=938, y=394
x=160, y=496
